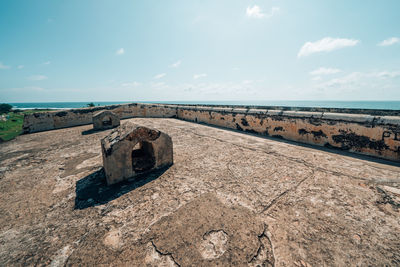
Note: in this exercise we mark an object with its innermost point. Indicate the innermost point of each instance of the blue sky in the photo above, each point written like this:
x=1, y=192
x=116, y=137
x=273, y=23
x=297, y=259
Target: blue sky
x=97, y=50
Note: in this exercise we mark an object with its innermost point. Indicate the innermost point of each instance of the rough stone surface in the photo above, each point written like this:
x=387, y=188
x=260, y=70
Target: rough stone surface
x=230, y=199
x=105, y=119
x=132, y=150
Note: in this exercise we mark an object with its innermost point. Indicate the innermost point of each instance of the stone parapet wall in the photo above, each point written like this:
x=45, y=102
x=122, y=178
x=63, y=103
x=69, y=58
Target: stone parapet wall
x=359, y=133
x=43, y=121
x=375, y=112
x=373, y=135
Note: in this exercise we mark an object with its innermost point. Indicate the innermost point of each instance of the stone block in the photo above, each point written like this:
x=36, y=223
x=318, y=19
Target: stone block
x=257, y=111
x=389, y=120
x=302, y=114
x=239, y=110
x=131, y=150
x=360, y=118
x=274, y=112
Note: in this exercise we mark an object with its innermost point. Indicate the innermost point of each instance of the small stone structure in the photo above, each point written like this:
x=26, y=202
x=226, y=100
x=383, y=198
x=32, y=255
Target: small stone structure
x=105, y=119
x=131, y=150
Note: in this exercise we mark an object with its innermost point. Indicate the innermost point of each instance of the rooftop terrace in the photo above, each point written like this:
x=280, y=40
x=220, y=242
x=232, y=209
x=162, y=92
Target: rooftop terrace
x=229, y=199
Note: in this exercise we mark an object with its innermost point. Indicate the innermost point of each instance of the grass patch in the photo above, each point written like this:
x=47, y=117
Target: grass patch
x=13, y=126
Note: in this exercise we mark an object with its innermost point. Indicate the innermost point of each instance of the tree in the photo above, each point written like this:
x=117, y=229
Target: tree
x=5, y=108
x=90, y=105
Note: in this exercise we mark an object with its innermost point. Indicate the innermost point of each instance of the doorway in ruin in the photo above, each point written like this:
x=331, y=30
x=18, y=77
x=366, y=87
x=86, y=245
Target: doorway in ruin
x=143, y=158
x=106, y=121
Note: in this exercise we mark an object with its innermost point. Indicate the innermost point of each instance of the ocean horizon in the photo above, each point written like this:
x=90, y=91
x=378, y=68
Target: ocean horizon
x=387, y=105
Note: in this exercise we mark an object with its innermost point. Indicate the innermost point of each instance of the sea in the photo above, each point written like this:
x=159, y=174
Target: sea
x=388, y=105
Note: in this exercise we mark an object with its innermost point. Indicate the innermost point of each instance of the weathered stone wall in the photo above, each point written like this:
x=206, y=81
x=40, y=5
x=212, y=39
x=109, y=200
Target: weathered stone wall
x=364, y=134
x=43, y=121
x=376, y=135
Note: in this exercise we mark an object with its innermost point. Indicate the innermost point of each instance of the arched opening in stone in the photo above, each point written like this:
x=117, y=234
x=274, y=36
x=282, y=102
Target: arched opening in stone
x=106, y=121
x=143, y=158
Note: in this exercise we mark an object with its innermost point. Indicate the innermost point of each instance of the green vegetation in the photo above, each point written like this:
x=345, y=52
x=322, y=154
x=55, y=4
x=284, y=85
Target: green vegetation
x=5, y=108
x=12, y=127
x=90, y=105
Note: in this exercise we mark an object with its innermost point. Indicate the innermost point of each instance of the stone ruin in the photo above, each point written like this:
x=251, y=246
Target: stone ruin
x=131, y=150
x=105, y=119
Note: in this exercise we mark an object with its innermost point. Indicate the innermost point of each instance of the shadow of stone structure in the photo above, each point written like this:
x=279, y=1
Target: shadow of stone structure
x=91, y=131
x=93, y=190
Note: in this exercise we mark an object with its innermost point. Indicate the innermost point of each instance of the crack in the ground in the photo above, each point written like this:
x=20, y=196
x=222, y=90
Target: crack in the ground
x=214, y=231
x=276, y=199
x=229, y=169
x=164, y=253
x=386, y=199
x=232, y=173
x=270, y=257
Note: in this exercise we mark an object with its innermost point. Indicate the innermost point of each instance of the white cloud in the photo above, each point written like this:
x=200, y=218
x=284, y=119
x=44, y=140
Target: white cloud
x=247, y=82
x=360, y=83
x=256, y=12
x=20, y=67
x=37, y=77
x=3, y=67
x=202, y=90
x=387, y=74
x=159, y=76
x=46, y=63
x=345, y=80
x=176, y=64
x=198, y=76
x=390, y=41
x=131, y=84
x=324, y=71
x=326, y=44
x=316, y=78
x=120, y=51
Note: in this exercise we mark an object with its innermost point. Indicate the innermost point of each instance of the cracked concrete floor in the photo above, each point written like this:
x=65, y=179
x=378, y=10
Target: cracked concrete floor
x=230, y=199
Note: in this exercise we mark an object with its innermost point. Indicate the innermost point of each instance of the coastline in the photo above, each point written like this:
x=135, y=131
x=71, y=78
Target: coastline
x=386, y=105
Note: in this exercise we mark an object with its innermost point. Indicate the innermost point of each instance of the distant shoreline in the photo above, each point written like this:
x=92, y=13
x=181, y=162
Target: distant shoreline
x=39, y=108
x=386, y=105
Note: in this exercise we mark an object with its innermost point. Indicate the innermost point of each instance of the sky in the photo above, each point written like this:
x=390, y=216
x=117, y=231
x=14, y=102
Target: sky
x=199, y=50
